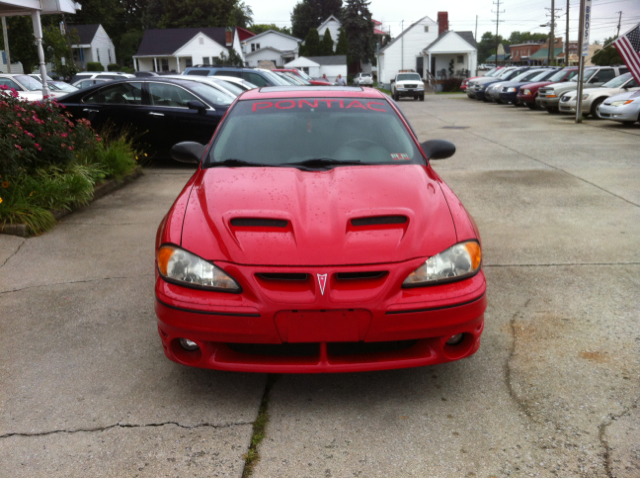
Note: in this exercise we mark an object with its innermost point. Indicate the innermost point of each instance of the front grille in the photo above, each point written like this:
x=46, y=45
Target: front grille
x=283, y=276
x=313, y=349
x=345, y=349
x=411, y=86
x=361, y=275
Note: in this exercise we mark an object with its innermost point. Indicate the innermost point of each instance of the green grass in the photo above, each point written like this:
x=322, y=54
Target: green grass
x=450, y=92
x=252, y=456
x=388, y=92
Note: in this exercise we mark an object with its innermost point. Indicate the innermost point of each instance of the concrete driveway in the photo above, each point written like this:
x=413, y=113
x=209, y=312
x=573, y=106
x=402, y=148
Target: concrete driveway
x=553, y=390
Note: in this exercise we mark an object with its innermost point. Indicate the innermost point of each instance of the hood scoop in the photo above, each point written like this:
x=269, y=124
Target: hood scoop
x=259, y=222
x=379, y=220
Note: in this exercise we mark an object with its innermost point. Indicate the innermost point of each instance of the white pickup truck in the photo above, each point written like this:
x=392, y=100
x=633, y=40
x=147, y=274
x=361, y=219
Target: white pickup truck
x=407, y=84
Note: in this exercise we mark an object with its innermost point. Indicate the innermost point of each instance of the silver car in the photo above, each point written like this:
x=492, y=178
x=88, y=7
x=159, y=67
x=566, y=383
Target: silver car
x=624, y=107
x=363, y=79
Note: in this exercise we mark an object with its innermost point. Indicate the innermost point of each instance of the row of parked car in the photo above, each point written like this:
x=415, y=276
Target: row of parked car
x=609, y=92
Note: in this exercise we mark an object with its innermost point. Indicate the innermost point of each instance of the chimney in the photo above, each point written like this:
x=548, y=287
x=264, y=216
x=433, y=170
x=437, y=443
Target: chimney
x=229, y=37
x=443, y=22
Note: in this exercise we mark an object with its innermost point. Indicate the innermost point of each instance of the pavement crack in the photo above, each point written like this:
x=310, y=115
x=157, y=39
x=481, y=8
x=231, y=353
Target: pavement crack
x=123, y=426
x=14, y=253
x=602, y=430
x=93, y=280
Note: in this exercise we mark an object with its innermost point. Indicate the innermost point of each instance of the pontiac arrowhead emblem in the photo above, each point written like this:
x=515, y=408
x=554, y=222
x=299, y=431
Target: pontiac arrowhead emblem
x=322, y=281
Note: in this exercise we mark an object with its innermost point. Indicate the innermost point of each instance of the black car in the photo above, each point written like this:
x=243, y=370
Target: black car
x=509, y=91
x=157, y=112
x=480, y=89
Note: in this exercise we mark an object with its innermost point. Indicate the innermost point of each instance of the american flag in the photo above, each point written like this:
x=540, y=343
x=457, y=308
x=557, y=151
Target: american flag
x=629, y=47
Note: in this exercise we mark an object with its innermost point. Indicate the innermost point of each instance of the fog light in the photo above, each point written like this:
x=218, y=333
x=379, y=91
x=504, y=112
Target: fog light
x=188, y=344
x=455, y=339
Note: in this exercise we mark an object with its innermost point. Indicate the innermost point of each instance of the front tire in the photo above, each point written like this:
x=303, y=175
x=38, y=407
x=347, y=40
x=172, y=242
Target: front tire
x=594, y=108
x=421, y=97
x=532, y=106
x=552, y=110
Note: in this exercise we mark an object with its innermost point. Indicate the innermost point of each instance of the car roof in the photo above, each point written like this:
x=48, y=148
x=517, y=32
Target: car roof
x=311, y=92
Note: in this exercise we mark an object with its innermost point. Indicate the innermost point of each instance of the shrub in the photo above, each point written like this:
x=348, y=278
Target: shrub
x=113, y=67
x=451, y=84
x=94, y=67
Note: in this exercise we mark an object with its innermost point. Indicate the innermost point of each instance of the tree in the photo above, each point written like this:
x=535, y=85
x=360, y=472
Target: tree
x=607, y=56
x=233, y=59
x=128, y=46
x=263, y=27
x=56, y=48
x=522, y=37
x=312, y=46
x=487, y=46
x=326, y=47
x=243, y=15
x=21, y=42
x=342, y=48
x=358, y=25
x=309, y=14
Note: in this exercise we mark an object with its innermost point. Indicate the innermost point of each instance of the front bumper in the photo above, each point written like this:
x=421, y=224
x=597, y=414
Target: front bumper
x=292, y=328
x=480, y=95
x=511, y=97
x=528, y=99
x=545, y=102
x=471, y=93
x=410, y=93
x=629, y=112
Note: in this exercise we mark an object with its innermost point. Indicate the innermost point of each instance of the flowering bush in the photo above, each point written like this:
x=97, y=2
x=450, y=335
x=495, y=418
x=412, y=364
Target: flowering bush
x=50, y=162
x=39, y=134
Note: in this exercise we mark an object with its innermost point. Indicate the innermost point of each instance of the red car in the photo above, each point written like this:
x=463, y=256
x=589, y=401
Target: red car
x=316, y=237
x=303, y=75
x=527, y=94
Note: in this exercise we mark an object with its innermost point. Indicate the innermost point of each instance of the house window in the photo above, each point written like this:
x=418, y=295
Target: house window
x=426, y=28
x=257, y=46
x=253, y=47
x=205, y=61
x=109, y=53
x=98, y=54
x=201, y=40
x=460, y=59
x=188, y=62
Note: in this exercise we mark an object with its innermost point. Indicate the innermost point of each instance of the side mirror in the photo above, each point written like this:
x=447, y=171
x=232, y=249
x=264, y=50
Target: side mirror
x=438, y=149
x=187, y=152
x=197, y=105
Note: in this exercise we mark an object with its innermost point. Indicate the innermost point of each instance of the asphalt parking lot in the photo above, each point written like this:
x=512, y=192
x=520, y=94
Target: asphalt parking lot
x=553, y=390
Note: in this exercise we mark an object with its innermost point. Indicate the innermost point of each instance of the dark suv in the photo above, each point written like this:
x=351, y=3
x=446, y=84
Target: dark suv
x=257, y=76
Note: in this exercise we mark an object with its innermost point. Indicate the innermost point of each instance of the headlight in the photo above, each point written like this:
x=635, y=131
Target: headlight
x=458, y=262
x=511, y=90
x=482, y=87
x=420, y=88
x=621, y=102
x=181, y=267
x=585, y=96
x=526, y=92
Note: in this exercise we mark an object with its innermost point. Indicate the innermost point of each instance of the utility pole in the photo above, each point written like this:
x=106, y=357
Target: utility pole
x=475, y=37
x=552, y=35
x=402, y=47
x=580, y=62
x=497, y=12
x=619, y=22
x=566, y=40
x=6, y=43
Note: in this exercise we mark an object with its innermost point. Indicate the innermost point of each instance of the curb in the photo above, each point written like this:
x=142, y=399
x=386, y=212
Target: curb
x=98, y=192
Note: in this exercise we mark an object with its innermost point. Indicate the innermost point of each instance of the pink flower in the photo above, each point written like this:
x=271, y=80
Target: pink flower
x=18, y=147
x=71, y=148
x=63, y=135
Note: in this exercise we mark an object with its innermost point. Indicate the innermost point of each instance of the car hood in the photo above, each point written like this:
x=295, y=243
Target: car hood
x=627, y=95
x=316, y=209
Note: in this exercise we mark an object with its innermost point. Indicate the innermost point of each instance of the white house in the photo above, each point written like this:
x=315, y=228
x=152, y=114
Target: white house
x=333, y=25
x=174, y=49
x=405, y=51
x=94, y=45
x=272, y=45
x=332, y=66
x=428, y=47
x=15, y=67
x=460, y=47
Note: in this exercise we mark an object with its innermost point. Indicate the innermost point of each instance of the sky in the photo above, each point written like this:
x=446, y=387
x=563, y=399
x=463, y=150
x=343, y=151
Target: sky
x=519, y=15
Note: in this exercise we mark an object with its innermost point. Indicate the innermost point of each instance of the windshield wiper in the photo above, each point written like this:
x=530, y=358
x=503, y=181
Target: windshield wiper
x=315, y=162
x=237, y=162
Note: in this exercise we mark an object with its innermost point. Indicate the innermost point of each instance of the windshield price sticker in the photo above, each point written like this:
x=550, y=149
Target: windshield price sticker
x=320, y=104
x=400, y=156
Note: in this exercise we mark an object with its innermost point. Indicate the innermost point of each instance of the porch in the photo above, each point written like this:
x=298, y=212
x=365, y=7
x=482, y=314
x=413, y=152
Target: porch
x=174, y=64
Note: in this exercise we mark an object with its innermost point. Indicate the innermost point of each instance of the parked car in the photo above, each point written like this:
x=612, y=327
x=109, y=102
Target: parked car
x=624, y=107
x=292, y=79
x=257, y=76
x=303, y=75
x=549, y=96
x=529, y=92
x=362, y=78
x=592, y=98
x=239, y=82
x=226, y=88
x=492, y=92
x=468, y=84
x=100, y=76
x=509, y=91
x=465, y=83
x=481, y=85
x=407, y=84
x=245, y=281
x=83, y=84
x=145, y=74
x=158, y=111
x=27, y=87
x=61, y=86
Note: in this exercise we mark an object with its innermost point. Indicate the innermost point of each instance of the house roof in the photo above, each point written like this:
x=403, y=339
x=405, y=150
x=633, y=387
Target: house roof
x=466, y=36
x=243, y=33
x=276, y=32
x=329, y=60
x=400, y=36
x=165, y=41
x=85, y=32
x=544, y=53
x=331, y=17
x=262, y=49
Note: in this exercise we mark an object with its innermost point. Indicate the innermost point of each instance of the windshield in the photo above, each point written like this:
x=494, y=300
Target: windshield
x=297, y=79
x=28, y=82
x=617, y=82
x=62, y=86
x=588, y=72
x=408, y=76
x=525, y=76
x=492, y=72
x=286, y=79
x=233, y=88
x=304, y=75
x=505, y=73
x=210, y=93
x=540, y=75
x=275, y=79
x=296, y=130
